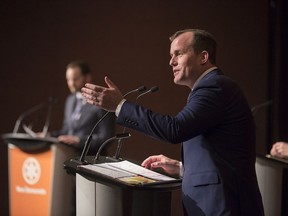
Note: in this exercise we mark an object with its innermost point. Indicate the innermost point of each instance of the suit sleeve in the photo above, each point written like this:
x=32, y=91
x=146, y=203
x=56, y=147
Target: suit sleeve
x=204, y=110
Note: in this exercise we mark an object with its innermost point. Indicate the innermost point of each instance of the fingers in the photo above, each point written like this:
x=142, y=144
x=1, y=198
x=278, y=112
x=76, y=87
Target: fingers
x=276, y=150
x=279, y=149
x=148, y=161
x=95, y=88
x=160, y=164
x=90, y=98
x=68, y=139
x=109, y=83
x=273, y=151
x=106, y=98
x=155, y=160
x=92, y=92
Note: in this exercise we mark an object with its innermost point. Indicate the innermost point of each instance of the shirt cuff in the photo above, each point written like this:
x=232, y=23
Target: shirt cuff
x=181, y=169
x=118, y=109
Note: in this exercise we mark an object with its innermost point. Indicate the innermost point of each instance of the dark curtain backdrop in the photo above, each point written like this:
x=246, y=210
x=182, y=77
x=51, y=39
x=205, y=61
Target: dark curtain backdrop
x=127, y=41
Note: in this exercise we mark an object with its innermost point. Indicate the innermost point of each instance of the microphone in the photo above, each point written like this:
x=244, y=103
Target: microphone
x=88, y=140
x=259, y=106
x=28, y=112
x=139, y=89
x=117, y=137
x=52, y=101
x=151, y=90
x=118, y=149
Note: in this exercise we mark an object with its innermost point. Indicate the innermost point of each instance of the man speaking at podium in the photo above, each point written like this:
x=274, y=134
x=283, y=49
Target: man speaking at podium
x=215, y=126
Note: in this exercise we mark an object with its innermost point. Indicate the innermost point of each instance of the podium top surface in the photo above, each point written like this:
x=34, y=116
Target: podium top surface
x=279, y=161
x=27, y=142
x=72, y=167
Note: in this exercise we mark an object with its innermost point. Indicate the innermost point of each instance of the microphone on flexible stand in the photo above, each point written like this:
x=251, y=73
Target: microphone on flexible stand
x=118, y=149
x=260, y=106
x=28, y=112
x=88, y=140
x=117, y=137
x=151, y=90
x=48, y=118
x=139, y=89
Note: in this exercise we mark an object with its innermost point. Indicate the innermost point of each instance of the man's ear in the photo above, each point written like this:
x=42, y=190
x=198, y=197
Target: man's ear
x=204, y=56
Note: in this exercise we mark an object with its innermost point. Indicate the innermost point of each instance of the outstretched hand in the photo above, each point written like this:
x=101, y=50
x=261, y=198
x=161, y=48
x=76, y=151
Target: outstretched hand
x=106, y=98
x=169, y=165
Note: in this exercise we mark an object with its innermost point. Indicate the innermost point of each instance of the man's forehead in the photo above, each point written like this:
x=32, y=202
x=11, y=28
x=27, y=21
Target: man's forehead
x=74, y=72
x=182, y=41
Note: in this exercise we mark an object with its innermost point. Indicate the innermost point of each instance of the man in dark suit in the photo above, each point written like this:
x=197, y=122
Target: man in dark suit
x=215, y=126
x=79, y=116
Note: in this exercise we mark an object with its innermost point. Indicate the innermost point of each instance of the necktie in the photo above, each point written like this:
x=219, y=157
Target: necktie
x=76, y=114
x=77, y=111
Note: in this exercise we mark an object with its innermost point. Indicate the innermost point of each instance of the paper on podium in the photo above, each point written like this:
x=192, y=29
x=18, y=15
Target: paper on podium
x=128, y=172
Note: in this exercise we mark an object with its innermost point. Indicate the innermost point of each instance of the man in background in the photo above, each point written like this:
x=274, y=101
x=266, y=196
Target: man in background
x=79, y=116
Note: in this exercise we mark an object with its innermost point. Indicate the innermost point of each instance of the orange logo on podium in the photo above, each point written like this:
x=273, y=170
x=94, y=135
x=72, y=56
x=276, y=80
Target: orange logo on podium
x=30, y=182
x=31, y=170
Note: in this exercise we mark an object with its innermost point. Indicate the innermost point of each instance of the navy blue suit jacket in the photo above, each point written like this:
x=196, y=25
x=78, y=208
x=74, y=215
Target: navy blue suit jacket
x=218, y=135
x=89, y=116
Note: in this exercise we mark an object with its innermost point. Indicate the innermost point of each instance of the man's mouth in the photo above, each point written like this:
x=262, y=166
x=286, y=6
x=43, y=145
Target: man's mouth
x=175, y=72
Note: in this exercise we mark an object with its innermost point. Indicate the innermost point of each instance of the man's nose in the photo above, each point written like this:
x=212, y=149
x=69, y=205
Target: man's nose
x=172, y=61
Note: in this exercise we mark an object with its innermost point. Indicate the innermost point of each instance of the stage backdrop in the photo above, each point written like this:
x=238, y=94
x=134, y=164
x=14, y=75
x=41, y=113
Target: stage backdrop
x=127, y=41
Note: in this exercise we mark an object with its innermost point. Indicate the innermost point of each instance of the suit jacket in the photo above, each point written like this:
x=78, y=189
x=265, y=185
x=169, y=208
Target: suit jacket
x=218, y=151
x=89, y=116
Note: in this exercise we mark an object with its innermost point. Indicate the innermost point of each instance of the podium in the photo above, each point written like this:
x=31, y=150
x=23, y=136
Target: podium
x=101, y=195
x=272, y=178
x=38, y=184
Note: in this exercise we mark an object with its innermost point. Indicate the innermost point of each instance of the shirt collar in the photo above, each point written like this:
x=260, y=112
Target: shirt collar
x=202, y=75
x=79, y=96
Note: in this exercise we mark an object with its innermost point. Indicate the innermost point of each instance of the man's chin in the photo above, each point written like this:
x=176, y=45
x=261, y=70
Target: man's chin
x=177, y=81
x=73, y=91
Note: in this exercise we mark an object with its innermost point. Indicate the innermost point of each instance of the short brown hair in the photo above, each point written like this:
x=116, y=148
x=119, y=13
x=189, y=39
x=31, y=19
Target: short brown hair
x=84, y=67
x=203, y=40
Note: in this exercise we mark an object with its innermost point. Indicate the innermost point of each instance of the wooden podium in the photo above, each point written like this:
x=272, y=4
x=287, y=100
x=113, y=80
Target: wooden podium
x=101, y=195
x=38, y=184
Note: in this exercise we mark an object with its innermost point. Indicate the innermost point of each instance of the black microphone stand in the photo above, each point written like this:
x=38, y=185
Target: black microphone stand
x=119, y=146
x=48, y=118
x=88, y=143
x=30, y=111
x=81, y=160
x=260, y=106
x=117, y=137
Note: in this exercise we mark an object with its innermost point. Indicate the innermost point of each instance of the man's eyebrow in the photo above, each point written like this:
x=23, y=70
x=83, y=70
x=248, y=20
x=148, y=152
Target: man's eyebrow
x=176, y=51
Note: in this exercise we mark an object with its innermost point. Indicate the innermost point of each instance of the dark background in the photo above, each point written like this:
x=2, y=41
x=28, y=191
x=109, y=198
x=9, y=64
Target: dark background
x=128, y=41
